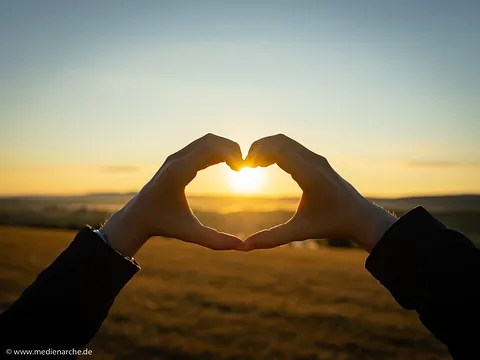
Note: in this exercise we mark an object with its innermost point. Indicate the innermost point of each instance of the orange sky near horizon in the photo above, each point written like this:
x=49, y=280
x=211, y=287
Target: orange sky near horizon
x=371, y=178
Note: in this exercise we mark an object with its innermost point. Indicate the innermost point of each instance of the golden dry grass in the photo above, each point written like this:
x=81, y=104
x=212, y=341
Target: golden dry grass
x=192, y=303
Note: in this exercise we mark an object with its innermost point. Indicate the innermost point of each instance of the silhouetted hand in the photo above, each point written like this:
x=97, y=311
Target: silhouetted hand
x=329, y=208
x=161, y=207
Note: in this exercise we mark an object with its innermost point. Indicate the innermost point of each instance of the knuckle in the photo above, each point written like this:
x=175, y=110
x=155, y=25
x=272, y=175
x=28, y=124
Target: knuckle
x=173, y=169
x=209, y=137
x=281, y=141
x=169, y=159
x=322, y=160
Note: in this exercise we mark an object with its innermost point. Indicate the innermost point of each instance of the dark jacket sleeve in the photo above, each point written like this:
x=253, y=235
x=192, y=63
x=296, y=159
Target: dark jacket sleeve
x=67, y=303
x=435, y=271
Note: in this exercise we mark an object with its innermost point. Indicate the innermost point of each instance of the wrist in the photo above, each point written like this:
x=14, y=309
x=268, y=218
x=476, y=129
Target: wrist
x=372, y=222
x=122, y=235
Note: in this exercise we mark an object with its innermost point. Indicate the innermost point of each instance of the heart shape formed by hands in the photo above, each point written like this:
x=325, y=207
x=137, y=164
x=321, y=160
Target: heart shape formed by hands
x=329, y=206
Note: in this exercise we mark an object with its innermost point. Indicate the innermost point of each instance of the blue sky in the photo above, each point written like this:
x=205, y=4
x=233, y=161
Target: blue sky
x=388, y=91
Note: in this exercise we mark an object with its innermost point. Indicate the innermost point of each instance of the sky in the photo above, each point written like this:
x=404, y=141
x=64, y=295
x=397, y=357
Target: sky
x=94, y=95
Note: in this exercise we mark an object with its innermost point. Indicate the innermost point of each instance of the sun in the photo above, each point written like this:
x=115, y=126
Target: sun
x=247, y=180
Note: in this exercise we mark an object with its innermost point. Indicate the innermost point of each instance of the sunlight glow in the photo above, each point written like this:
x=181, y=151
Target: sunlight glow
x=247, y=180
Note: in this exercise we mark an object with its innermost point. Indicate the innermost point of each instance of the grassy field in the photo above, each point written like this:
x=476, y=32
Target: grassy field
x=192, y=303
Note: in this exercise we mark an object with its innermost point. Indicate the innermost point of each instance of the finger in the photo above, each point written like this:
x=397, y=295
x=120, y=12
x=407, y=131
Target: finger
x=283, y=141
x=259, y=156
x=289, y=161
x=206, y=156
x=209, y=140
x=276, y=236
x=212, y=239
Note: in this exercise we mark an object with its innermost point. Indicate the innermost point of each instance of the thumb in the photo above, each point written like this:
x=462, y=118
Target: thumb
x=276, y=236
x=212, y=239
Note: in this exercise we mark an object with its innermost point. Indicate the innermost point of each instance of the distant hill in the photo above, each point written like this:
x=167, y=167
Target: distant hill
x=433, y=203
x=232, y=203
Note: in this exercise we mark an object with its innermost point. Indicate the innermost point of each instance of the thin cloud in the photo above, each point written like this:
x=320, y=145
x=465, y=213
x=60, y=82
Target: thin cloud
x=119, y=169
x=441, y=163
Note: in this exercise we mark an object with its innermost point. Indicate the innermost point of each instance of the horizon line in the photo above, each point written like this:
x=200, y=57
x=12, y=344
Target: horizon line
x=232, y=195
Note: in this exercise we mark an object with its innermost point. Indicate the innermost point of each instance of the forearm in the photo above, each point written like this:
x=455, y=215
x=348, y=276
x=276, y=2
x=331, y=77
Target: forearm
x=121, y=231
x=370, y=223
x=65, y=306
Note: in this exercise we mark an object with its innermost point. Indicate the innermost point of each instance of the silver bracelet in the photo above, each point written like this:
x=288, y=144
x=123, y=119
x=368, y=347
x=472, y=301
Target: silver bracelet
x=104, y=238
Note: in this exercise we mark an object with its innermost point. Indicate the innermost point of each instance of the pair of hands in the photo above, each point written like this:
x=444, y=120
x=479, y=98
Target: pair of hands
x=329, y=208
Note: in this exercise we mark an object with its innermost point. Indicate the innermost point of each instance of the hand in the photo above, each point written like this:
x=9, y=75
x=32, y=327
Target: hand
x=161, y=207
x=329, y=208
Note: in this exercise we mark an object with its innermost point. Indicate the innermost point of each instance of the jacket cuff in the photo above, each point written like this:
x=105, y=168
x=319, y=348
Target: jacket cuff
x=404, y=252
x=106, y=270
